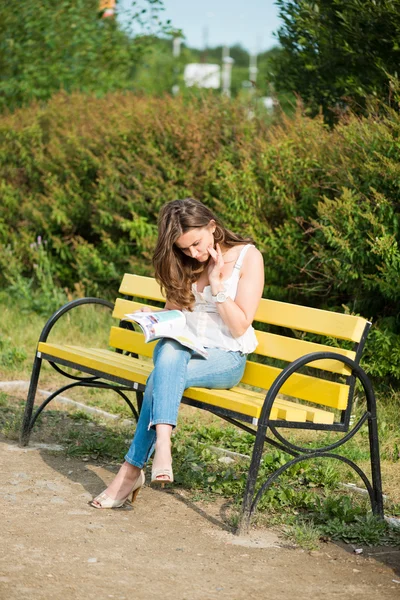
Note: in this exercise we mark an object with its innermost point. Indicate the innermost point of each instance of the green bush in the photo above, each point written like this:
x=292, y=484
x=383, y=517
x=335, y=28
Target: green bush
x=48, y=46
x=89, y=175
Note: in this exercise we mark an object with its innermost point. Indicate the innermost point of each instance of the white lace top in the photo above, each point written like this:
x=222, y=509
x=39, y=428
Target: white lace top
x=206, y=323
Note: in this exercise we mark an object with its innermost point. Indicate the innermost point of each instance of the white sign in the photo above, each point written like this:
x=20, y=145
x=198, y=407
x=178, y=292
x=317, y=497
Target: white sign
x=203, y=75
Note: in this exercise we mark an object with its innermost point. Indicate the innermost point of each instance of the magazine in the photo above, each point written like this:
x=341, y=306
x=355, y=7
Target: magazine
x=169, y=324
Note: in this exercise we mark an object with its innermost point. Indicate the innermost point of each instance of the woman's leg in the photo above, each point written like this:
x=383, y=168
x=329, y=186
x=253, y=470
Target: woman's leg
x=164, y=389
x=175, y=369
x=167, y=386
x=164, y=384
x=222, y=370
x=138, y=452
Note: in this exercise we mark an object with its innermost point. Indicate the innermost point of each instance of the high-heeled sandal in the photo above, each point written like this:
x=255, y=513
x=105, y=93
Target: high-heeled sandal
x=106, y=501
x=166, y=473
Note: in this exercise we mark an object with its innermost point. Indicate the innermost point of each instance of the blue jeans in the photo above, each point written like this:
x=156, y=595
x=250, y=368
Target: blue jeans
x=175, y=369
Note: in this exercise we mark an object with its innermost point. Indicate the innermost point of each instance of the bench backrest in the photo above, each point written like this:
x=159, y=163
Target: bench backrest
x=325, y=382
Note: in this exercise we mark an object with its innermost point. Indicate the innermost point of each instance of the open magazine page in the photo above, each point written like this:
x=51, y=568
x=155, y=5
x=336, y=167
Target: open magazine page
x=186, y=338
x=159, y=323
x=168, y=323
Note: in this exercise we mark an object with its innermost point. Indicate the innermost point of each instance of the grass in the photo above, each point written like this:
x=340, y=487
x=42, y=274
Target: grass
x=20, y=330
x=308, y=503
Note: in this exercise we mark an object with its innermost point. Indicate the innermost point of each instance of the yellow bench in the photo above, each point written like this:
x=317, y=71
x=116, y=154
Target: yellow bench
x=318, y=381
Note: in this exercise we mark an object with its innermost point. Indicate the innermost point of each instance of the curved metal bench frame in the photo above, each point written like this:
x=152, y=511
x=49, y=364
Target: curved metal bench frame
x=29, y=418
x=374, y=488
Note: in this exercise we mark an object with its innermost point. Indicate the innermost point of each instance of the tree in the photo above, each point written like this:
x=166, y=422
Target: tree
x=46, y=46
x=338, y=52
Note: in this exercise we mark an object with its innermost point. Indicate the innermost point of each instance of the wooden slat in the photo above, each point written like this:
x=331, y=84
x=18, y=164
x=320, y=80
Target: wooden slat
x=287, y=412
x=228, y=400
x=286, y=348
x=305, y=387
x=131, y=341
x=313, y=415
x=312, y=320
x=142, y=287
x=123, y=307
x=100, y=360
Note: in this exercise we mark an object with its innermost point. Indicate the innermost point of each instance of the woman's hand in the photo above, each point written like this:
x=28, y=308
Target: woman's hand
x=146, y=309
x=214, y=270
x=239, y=313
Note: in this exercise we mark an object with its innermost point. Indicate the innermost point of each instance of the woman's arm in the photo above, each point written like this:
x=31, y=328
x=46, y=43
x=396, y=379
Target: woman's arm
x=238, y=314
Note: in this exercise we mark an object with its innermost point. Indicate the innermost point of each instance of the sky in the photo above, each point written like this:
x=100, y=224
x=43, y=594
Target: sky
x=248, y=22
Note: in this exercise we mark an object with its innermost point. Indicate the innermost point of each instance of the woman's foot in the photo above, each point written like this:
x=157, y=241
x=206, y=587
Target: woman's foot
x=128, y=481
x=161, y=471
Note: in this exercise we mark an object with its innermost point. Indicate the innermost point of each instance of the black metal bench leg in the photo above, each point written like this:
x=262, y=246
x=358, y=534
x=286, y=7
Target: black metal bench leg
x=377, y=505
x=244, y=519
x=27, y=420
x=375, y=466
x=139, y=399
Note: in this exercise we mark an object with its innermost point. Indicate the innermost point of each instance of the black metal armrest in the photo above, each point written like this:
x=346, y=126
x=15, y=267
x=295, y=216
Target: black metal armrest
x=304, y=360
x=67, y=307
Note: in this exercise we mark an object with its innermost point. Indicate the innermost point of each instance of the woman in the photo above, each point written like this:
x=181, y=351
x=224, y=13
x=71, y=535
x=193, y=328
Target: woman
x=216, y=277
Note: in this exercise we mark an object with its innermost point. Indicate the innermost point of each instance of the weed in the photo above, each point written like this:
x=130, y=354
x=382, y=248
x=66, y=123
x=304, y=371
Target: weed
x=99, y=442
x=303, y=534
x=80, y=415
x=11, y=421
x=10, y=356
x=365, y=530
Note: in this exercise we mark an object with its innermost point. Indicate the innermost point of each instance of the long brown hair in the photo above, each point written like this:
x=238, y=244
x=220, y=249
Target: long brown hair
x=174, y=270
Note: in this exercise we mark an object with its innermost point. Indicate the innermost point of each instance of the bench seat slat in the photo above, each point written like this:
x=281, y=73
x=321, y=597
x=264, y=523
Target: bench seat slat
x=238, y=399
x=313, y=414
x=100, y=360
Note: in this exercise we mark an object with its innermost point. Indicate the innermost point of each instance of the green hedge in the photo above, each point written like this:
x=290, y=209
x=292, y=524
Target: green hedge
x=89, y=176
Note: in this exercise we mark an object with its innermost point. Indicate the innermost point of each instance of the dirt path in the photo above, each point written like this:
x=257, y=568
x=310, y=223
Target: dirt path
x=53, y=545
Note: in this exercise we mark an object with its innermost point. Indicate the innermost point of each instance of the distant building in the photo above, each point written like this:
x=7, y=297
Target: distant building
x=203, y=75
